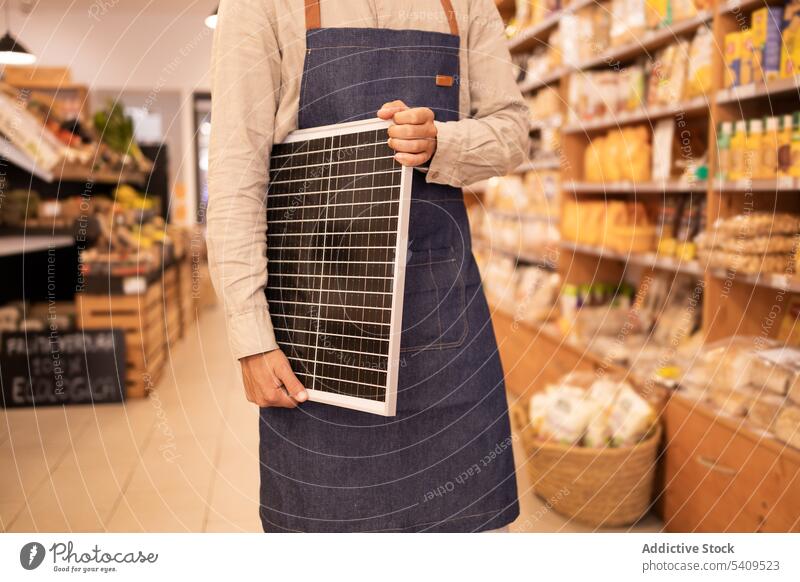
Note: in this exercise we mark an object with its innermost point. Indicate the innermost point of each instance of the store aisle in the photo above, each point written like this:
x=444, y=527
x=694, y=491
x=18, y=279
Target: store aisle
x=185, y=459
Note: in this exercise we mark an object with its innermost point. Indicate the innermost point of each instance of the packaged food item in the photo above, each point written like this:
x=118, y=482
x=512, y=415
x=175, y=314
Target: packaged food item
x=790, y=54
x=768, y=166
x=734, y=50
x=787, y=426
x=568, y=415
x=724, y=135
x=764, y=409
x=785, y=147
x=767, y=25
x=701, y=54
x=794, y=169
x=747, y=59
x=755, y=137
x=789, y=330
x=663, y=138
x=630, y=418
x=738, y=169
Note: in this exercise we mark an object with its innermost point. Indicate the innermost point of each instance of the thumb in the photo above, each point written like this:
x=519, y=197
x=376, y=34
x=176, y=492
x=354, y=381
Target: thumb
x=293, y=386
x=388, y=110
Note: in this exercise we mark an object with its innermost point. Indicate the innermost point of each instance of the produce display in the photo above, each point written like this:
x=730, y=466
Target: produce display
x=752, y=378
x=583, y=410
x=53, y=139
x=767, y=50
x=759, y=242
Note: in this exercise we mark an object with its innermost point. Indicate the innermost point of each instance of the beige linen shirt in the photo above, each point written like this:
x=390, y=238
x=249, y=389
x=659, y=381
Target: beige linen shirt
x=257, y=65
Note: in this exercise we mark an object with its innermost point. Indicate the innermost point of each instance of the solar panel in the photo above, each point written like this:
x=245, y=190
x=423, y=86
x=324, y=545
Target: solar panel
x=337, y=231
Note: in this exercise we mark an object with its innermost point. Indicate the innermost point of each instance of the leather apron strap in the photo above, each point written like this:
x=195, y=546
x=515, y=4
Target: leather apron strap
x=314, y=21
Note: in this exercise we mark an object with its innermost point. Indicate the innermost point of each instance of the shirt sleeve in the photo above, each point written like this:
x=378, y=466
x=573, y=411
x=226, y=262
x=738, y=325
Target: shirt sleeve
x=245, y=92
x=492, y=140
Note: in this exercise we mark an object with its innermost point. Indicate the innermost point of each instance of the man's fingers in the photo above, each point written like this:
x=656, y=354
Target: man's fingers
x=416, y=116
x=411, y=159
x=411, y=146
x=293, y=386
x=427, y=130
x=388, y=110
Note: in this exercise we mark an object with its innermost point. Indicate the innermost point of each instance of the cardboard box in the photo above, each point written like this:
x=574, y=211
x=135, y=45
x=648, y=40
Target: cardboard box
x=767, y=42
x=733, y=59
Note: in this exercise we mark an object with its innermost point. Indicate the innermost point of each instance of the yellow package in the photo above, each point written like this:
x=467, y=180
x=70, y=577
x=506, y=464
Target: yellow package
x=746, y=63
x=700, y=57
x=592, y=162
x=733, y=59
x=610, y=157
x=790, y=55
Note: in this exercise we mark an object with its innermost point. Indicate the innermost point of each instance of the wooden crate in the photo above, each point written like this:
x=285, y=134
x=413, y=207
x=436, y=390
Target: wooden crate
x=141, y=317
x=171, y=305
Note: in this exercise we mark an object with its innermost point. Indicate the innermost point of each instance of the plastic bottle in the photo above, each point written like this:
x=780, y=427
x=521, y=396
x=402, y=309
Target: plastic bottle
x=755, y=137
x=724, y=132
x=784, y=147
x=738, y=151
x=768, y=168
x=794, y=170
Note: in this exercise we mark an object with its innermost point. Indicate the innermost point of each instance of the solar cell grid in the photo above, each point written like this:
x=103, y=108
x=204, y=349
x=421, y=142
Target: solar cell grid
x=337, y=218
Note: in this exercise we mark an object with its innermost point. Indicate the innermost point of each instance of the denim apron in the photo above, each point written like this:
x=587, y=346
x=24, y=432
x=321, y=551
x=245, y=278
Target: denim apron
x=445, y=462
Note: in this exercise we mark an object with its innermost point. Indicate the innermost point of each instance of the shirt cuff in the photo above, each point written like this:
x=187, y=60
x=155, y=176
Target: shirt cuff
x=251, y=333
x=445, y=162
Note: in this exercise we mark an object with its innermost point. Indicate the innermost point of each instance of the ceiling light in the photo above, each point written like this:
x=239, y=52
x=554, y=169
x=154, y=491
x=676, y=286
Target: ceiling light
x=11, y=51
x=211, y=20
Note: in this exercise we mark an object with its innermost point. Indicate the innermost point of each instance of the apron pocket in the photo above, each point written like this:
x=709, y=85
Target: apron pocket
x=434, y=302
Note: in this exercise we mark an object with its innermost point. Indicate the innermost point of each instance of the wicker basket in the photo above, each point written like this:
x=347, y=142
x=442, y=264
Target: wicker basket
x=600, y=487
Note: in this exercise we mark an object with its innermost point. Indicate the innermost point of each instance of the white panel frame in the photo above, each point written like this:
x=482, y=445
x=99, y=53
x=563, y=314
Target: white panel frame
x=387, y=407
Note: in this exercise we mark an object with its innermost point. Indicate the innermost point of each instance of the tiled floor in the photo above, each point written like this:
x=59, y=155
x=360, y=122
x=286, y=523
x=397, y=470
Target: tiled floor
x=185, y=459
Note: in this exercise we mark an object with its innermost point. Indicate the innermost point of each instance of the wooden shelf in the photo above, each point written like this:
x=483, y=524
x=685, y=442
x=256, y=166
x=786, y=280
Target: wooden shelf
x=648, y=42
x=554, y=121
x=781, y=185
x=759, y=90
x=12, y=154
x=71, y=174
x=697, y=105
x=527, y=39
x=647, y=260
x=530, y=257
x=19, y=245
x=540, y=163
x=529, y=85
x=524, y=216
x=743, y=5
x=771, y=280
x=676, y=187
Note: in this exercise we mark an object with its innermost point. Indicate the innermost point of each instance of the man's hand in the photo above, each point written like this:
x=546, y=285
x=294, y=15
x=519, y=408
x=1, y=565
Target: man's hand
x=269, y=381
x=413, y=136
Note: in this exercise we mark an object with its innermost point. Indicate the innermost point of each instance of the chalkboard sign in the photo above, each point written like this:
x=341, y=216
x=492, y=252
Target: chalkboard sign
x=49, y=368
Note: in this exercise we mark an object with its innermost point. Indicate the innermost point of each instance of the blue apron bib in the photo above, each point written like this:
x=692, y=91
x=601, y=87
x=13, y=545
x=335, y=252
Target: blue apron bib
x=445, y=462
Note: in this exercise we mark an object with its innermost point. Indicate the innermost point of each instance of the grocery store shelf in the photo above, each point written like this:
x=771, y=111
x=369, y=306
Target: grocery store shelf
x=743, y=5
x=636, y=187
x=525, y=216
x=554, y=121
x=696, y=105
x=647, y=260
x=13, y=155
x=546, y=258
x=541, y=163
x=529, y=85
x=73, y=174
x=649, y=41
x=528, y=38
x=758, y=90
x=780, y=185
x=772, y=280
x=18, y=245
